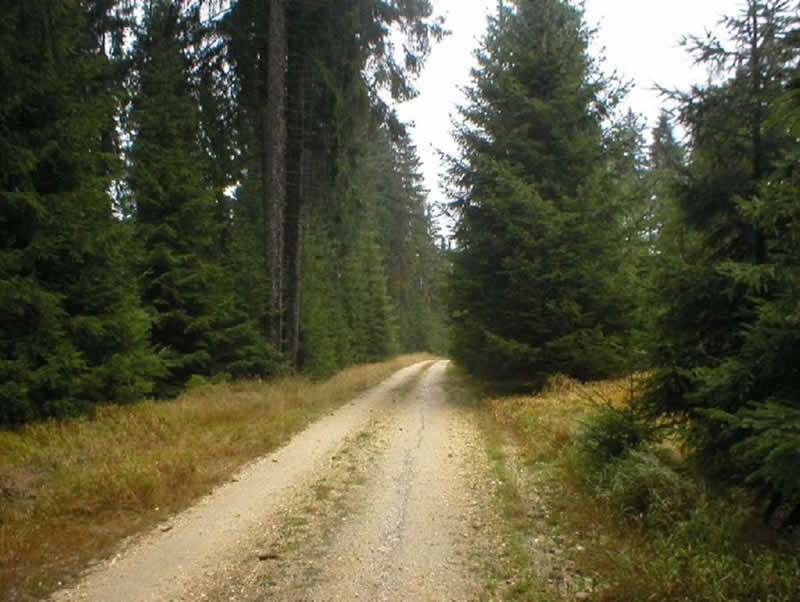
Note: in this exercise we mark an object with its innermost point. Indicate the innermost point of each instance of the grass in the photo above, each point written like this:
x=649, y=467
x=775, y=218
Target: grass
x=642, y=525
x=518, y=575
x=70, y=490
x=510, y=574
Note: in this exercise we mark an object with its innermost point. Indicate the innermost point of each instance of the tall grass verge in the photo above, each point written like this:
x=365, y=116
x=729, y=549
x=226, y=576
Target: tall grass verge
x=651, y=529
x=70, y=490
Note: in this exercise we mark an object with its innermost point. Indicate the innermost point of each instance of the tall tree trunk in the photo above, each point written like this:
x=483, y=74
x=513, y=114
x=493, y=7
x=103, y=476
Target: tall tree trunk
x=295, y=196
x=757, y=117
x=274, y=168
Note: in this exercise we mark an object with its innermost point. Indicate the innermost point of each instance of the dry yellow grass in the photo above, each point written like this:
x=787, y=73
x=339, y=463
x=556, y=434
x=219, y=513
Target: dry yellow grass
x=545, y=422
x=541, y=427
x=71, y=489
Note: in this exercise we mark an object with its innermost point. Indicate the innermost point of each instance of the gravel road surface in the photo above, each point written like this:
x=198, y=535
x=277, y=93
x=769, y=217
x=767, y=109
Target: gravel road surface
x=382, y=500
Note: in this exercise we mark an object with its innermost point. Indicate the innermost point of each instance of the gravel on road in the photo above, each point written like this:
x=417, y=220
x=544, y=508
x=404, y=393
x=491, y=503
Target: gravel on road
x=384, y=499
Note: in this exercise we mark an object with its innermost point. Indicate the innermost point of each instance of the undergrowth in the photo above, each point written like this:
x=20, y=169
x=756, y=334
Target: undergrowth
x=71, y=489
x=654, y=529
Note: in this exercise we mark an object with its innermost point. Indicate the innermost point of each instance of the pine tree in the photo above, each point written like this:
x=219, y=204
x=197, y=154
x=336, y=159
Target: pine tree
x=539, y=232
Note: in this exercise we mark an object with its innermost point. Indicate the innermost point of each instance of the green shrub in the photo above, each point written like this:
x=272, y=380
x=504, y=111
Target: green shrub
x=642, y=486
x=197, y=381
x=615, y=458
x=605, y=435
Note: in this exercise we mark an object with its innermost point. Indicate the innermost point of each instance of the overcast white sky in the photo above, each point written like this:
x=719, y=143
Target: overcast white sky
x=641, y=40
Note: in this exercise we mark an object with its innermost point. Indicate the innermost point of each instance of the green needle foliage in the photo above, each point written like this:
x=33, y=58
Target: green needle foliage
x=72, y=331
x=727, y=334
x=540, y=228
x=373, y=271
x=135, y=211
x=197, y=320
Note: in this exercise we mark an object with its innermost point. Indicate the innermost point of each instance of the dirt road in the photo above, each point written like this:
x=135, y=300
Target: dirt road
x=382, y=500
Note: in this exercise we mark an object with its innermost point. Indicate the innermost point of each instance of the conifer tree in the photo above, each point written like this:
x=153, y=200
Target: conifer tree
x=328, y=46
x=414, y=264
x=72, y=331
x=372, y=270
x=187, y=226
x=726, y=334
x=196, y=319
x=539, y=231
x=665, y=173
x=326, y=335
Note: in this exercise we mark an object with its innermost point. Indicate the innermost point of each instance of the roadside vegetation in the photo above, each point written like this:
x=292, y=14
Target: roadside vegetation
x=620, y=507
x=161, y=228
x=71, y=489
x=584, y=250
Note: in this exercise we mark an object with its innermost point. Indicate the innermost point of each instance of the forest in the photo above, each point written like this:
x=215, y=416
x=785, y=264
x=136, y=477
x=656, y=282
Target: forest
x=220, y=192
x=200, y=190
x=585, y=251
x=207, y=190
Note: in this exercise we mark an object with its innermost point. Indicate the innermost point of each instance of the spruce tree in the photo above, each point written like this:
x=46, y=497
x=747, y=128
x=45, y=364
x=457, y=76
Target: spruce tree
x=539, y=230
x=373, y=273
x=414, y=264
x=726, y=334
x=326, y=335
x=329, y=89
x=665, y=173
x=196, y=319
x=72, y=331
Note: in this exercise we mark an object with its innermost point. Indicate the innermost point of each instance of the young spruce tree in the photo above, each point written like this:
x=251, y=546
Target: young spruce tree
x=72, y=331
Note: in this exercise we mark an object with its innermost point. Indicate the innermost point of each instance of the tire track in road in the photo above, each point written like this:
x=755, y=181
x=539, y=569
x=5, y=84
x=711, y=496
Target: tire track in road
x=412, y=539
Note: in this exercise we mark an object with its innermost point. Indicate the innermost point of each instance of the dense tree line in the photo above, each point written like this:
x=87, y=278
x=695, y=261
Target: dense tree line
x=206, y=189
x=581, y=253
x=218, y=189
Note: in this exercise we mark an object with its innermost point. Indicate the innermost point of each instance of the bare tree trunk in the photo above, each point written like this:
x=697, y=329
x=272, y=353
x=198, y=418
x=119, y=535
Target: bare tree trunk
x=756, y=77
x=757, y=117
x=295, y=197
x=756, y=66
x=274, y=172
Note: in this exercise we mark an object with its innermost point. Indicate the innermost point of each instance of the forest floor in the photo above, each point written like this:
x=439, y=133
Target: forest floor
x=391, y=497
